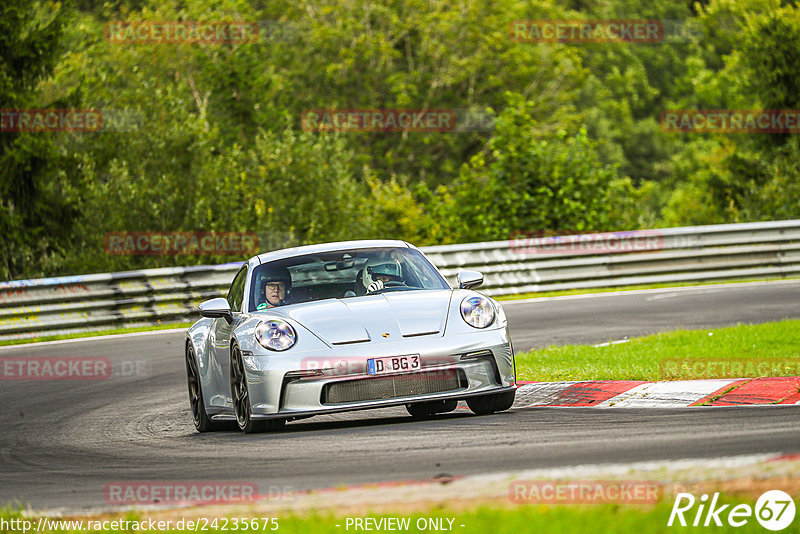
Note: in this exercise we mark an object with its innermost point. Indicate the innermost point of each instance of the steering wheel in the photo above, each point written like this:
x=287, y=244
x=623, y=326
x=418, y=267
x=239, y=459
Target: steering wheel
x=389, y=286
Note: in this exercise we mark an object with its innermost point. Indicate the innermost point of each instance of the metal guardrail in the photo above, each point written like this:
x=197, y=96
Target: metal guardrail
x=77, y=304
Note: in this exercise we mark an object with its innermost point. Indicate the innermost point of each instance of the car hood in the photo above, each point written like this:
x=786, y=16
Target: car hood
x=385, y=317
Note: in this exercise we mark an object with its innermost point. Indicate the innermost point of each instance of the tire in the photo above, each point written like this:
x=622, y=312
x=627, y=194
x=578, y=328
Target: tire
x=488, y=404
x=240, y=395
x=427, y=409
x=202, y=422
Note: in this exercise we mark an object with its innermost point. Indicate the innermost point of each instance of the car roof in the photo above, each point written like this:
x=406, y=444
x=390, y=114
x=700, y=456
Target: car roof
x=329, y=247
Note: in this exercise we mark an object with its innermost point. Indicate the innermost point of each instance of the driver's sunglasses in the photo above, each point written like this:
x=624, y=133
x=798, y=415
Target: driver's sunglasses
x=276, y=286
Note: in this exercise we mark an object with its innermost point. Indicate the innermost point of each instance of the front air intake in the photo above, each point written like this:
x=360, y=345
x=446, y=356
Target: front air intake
x=394, y=386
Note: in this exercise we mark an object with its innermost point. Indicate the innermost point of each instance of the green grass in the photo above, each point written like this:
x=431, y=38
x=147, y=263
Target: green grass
x=495, y=519
x=608, y=519
x=94, y=334
x=540, y=294
x=770, y=349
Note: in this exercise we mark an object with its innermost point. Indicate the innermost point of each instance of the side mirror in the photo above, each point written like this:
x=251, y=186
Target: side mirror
x=217, y=307
x=469, y=279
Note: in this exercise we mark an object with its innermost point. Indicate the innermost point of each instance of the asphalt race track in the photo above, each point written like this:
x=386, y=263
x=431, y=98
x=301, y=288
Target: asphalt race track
x=62, y=442
x=600, y=317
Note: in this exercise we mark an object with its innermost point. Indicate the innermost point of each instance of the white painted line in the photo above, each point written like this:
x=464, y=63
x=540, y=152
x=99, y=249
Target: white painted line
x=675, y=394
x=92, y=338
x=648, y=291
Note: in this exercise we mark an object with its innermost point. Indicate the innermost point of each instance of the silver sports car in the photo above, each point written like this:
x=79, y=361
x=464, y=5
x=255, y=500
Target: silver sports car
x=346, y=326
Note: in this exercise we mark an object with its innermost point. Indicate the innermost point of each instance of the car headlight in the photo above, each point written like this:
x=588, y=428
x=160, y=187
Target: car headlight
x=275, y=334
x=477, y=311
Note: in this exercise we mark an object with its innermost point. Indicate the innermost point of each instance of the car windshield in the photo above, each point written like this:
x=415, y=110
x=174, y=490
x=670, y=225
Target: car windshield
x=341, y=274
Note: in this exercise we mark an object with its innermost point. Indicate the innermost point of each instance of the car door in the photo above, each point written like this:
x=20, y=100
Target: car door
x=221, y=332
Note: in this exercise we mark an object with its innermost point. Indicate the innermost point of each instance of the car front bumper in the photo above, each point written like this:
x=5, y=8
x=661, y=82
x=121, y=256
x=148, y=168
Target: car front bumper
x=336, y=380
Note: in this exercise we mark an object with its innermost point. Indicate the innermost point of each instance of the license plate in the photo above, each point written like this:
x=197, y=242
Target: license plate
x=392, y=364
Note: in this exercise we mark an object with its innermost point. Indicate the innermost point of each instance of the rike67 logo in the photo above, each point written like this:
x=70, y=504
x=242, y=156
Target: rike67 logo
x=774, y=510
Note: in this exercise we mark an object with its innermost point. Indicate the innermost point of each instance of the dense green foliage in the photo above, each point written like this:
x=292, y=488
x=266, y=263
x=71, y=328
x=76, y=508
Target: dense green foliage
x=213, y=139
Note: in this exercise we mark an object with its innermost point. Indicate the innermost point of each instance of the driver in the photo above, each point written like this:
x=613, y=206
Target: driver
x=379, y=273
x=276, y=283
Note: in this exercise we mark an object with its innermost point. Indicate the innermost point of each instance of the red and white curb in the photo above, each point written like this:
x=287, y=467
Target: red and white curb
x=672, y=394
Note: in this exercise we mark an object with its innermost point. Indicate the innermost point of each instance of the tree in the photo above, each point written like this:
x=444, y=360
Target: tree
x=528, y=182
x=38, y=201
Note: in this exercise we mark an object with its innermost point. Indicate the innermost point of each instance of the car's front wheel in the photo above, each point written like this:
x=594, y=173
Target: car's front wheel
x=202, y=422
x=428, y=409
x=496, y=402
x=240, y=394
